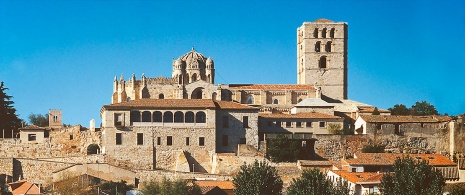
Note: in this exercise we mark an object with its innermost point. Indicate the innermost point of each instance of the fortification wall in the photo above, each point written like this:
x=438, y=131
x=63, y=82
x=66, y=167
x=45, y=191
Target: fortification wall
x=69, y=141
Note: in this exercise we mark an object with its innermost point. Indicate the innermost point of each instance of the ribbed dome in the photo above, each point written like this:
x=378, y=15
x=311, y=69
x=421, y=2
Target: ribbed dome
x=193, y=56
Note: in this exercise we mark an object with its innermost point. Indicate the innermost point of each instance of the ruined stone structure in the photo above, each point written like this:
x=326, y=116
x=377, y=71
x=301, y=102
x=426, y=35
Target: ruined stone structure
x=322, y=56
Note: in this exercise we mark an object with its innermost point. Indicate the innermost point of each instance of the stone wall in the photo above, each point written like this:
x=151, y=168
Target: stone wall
x=158, y=175
x=67, y=141
x=236, y=130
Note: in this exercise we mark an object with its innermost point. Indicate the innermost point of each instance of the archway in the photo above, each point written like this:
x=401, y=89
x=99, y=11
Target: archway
x=197, y=93
x=93, y=149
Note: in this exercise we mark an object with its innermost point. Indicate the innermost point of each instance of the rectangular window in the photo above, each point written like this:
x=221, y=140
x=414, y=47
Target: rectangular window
x=118, y=119
x=288, y=124
x=71, y=137
x=298, y=124
x=140, y=139
x=245, y=121
x=242, y=141
x=31, y=137
x=278, y=123
x=169, y=140
x=225, y=140
x=225, y=121
x=158, y=140
x=119, y=139
x=187, y=141
x=322, y=124
x=308, y=124
x=201, y=141
x=354, y=169
x=378, y=126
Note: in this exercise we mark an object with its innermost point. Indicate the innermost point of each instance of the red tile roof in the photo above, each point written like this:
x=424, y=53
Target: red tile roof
x=271, y=87
x=404, y=119
x=360, y=177
x=299, y=115
x=233, y=106
x=371, y=109
x=389, y=159
x=25, y=187
x=224, y=185
x=177, y=103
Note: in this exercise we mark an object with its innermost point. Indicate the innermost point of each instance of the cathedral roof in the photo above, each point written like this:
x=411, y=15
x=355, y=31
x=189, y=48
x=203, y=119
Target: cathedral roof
x=193, y=56
x=313, y=102
x=299, y=115
x=177, y=103
x=271, y=86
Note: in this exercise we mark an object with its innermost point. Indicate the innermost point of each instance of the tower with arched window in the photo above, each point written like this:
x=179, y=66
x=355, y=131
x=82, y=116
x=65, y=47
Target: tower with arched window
x=322, y=56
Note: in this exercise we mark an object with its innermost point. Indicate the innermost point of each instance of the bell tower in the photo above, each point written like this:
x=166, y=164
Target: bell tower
x=322, y=57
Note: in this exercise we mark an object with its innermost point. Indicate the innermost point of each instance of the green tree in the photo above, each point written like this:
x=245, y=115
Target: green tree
x=258, y=178
x=167, y=187
x=8, y=118
x=375, y=111
x=412, y=177
x=38, y=120
x=424, y=108
x=117, y=188
x=282, y=149
x=399, y=109
x=314, y=182
x=456, y=189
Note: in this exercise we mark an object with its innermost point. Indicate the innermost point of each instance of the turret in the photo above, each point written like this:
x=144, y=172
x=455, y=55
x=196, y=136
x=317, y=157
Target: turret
x=178, y=70
x=210, y=71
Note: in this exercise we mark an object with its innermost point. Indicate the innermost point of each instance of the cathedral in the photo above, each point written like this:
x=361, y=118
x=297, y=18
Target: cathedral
x=190, y=114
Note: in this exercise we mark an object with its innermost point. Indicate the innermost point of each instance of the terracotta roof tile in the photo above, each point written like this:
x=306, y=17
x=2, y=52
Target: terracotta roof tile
x=224, y=185
x=177, y=103
x=356, y=177
x=390, y=158
x=299, y=115
x=271, y=86
x=371, y=109
x=26, y=188
x=233, y=106
x=404, y=119
x=315, y=163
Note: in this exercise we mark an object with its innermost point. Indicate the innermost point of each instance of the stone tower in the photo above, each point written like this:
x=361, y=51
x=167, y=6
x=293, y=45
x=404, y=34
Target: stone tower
x=322, y=57
x=54, y=118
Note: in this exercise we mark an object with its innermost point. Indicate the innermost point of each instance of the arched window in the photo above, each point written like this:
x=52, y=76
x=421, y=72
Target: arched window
x=135, y=116
x=178, y=117
x=323, y=34
x=317, y=46
x=194, y=77
x=315, y=33
x=93, y=149
x=275, y=101
x=197, y=93
x=157, y=116
x=146, y=116
x=161, y=96
x=331, y=33
x=214, y=96
x=249, y=99
x=168, y=117
x=180, y=79
x=145, y=93
x=328, y=46
x=200, y=117
x=189, y=117
x=322, y=63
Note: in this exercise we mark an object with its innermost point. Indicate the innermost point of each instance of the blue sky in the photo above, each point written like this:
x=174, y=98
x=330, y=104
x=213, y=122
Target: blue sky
x=65, y=54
